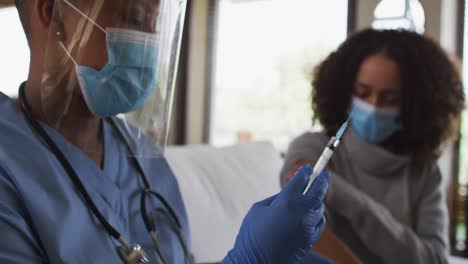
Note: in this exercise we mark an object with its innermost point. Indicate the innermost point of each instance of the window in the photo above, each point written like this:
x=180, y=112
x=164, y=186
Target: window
x=14, y=52
x=265, y=53
x=394, y=14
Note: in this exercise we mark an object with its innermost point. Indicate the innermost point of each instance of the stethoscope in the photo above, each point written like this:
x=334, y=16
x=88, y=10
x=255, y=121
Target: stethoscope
x=129, y=254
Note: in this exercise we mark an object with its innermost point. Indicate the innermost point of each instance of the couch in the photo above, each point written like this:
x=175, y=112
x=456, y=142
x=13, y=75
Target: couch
x=219, y=185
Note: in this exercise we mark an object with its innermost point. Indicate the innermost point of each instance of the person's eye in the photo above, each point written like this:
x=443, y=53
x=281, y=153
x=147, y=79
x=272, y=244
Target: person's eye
x=133, y=19
x=135, y=22
x=361, y=93
x=141, y=24
x=361, y=90
x=392, y=99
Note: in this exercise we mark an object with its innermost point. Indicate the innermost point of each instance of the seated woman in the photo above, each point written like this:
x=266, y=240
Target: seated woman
x=386, y=201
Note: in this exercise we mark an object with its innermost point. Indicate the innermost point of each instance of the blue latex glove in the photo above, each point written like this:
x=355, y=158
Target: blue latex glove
x=282, y=229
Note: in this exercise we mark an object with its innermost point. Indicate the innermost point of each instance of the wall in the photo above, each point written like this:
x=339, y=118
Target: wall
x=197, y=79
x=6, y=3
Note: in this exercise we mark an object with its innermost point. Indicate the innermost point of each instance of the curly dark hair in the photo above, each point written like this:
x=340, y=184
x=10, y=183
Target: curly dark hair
x=432, y=96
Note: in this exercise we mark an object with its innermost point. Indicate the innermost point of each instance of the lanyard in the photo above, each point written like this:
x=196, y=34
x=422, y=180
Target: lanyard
x=130, y=254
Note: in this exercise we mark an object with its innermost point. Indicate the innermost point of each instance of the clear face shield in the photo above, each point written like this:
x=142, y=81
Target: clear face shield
x=117, y=60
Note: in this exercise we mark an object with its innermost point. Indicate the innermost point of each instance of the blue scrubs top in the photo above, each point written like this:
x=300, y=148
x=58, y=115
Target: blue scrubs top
x=43, y=217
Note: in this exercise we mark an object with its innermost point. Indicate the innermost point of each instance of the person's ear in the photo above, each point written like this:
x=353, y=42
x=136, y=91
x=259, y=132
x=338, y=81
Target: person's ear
x=43, y=9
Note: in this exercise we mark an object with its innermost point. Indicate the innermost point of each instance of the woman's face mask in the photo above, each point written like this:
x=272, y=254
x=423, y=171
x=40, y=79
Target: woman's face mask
x=129, y=76
x=374, y=124
x=377, y=99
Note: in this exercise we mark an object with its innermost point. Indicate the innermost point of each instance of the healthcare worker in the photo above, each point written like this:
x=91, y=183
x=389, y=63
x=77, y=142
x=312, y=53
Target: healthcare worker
x=80, y=182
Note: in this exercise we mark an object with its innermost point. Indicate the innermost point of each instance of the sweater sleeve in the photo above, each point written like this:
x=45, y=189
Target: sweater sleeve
x=396, y=242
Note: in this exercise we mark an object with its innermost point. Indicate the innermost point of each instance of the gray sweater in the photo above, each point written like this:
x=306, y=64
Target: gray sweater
x=382, y=206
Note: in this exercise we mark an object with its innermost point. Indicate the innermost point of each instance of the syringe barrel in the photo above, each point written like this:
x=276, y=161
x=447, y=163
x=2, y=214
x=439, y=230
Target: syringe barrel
x=319, y=166
x=323, y=160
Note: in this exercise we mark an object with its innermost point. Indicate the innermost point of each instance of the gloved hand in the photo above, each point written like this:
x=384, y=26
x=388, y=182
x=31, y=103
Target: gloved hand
x=283, y=228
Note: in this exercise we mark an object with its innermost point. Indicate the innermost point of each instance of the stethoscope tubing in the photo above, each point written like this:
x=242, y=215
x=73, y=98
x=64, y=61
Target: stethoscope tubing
x=88, y=200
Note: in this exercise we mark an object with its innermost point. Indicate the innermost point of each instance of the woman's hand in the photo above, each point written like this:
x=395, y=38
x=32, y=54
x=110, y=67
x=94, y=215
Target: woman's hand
x=283, y=228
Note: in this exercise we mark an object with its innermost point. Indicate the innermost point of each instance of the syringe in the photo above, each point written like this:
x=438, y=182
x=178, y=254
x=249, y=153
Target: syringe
x=326, y=154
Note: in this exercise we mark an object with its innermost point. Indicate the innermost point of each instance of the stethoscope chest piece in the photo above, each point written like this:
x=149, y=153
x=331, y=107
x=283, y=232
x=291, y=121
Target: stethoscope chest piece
x=133, y=255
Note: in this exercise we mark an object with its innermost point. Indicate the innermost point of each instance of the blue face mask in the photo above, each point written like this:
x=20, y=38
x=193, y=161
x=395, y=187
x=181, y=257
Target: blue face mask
x=129, y=77
x=373, y=124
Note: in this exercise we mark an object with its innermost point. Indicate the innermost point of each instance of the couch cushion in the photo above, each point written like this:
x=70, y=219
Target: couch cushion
x=219, y=185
